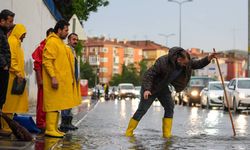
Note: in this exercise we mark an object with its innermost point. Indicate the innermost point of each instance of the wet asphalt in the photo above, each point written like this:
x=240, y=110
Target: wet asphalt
x=104, y=125
x=193, y=128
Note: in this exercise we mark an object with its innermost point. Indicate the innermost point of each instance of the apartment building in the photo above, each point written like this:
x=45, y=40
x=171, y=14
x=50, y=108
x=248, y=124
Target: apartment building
x=150, y=50
x=108, y=56
x=232, y=63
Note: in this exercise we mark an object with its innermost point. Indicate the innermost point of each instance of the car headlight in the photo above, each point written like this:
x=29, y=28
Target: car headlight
x=90, y=93
x=212, y=95
x=242, y=95
x=194, y=93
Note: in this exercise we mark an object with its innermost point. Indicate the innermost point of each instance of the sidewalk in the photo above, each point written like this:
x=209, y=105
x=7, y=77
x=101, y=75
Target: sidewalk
x=79, y=112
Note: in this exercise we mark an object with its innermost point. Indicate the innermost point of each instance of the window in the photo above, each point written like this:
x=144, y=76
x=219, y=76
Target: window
x=104, y=50
x=104, y=59
x=92, y=60
x=129, y=52
x=91, y=49
x=116, y=60
x=140, y=52
x=231, y=84
x=115, y=70
x=115, y=51
x=103, y=69
x=244, y=84
x=103, y=80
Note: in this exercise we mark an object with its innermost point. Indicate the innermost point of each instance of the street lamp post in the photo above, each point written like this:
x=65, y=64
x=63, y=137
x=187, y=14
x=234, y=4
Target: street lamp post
x=166, y=36
x=180, y=5
x=97, y=74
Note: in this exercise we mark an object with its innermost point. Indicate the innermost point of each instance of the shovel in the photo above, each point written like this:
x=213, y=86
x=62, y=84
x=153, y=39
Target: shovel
x=222, y=80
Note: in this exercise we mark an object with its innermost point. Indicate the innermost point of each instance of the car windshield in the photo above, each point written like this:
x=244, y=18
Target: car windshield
x=138, y=88
x=126, y=87
x=216, y=86
x=244, y=84
x=198, y=82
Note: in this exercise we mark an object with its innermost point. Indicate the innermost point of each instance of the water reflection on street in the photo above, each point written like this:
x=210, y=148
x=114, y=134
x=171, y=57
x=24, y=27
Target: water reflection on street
x=193, y=128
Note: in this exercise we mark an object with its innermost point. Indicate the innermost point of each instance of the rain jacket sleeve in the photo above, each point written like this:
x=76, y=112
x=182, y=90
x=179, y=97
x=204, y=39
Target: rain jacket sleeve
x=4, y=50
x=198, y=64
x=151, y=74
x=15, y=67
x=37, y=55
x=49, y=56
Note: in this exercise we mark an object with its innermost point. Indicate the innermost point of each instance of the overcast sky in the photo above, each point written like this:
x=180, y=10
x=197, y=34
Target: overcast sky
x=206, y=24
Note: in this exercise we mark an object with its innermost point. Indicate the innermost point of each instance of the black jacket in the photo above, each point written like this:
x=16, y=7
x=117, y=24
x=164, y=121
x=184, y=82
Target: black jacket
x=156, y=78
x=4, y=49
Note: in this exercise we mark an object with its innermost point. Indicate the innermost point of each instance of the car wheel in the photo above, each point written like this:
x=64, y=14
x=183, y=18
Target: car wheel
x=224, y=107
x=208, y=105
x=184, y=103
x=202, y=106
x=236, y=110
x=190, y=104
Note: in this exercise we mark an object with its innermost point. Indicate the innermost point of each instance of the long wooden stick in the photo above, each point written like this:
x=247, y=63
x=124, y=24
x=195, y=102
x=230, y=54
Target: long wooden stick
x=222, y=80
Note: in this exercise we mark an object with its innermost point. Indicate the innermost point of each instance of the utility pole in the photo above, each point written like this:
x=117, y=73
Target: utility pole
x=180, y=11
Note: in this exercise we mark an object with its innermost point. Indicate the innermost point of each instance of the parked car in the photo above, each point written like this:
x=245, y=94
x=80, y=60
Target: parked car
x=175, y=96
x=138, y=91
x=211, y=96
x=126, y=90
x=191, y=95
x=238, y=94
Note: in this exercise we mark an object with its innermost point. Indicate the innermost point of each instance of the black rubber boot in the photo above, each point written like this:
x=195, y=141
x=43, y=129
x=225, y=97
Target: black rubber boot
x=64, y=124
x=71, y=126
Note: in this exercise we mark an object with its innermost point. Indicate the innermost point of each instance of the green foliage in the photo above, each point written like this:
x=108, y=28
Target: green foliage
x=78, y=48
x=81, y=8
x=129, y=74
x=87, y=72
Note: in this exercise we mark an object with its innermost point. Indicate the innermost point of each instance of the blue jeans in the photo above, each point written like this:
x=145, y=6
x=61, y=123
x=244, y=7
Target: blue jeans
x=66, y=113
x=165, y=100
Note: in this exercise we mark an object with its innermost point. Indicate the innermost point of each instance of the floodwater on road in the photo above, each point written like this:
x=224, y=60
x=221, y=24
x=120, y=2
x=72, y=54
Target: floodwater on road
x=193, y=128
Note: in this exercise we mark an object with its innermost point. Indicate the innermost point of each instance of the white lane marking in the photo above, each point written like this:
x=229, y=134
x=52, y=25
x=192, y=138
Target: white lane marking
x=78, y=122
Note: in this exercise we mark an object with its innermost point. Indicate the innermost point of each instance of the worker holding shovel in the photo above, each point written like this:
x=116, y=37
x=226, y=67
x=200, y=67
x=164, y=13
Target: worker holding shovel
x=175, y=68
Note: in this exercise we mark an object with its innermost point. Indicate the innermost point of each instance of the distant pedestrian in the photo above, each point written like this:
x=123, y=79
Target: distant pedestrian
x=66, y=115
x=106, y=91
x=58, y=79
x=16, y=103
x=37, y=56
x=175, y=68
x=6, y=22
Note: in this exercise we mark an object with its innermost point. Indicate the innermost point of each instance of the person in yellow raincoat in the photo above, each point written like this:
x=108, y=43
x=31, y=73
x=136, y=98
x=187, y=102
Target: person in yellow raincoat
x=58, y=80
x=15, y=103
x=66, y=115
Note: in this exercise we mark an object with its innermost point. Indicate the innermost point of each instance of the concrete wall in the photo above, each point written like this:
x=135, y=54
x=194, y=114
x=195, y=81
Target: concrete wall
x=37, y=19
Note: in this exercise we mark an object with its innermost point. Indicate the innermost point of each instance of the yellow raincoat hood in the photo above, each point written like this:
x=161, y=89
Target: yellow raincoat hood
x=18, y=31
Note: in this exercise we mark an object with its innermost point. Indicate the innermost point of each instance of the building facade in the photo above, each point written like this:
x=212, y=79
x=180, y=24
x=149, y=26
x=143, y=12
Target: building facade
x=232, y=63
x=108, y=56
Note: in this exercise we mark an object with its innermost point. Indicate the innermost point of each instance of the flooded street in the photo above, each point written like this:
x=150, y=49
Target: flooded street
x=193, y=128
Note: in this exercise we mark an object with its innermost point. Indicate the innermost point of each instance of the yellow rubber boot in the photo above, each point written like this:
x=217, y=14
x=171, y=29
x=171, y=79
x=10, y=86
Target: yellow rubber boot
x=167, y=127
x=4, y=125
x=57, y=124
x=51, y=125
x=131, y=126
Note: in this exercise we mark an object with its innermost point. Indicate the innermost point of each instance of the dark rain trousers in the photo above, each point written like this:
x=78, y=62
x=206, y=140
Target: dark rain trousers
x=165, y=100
